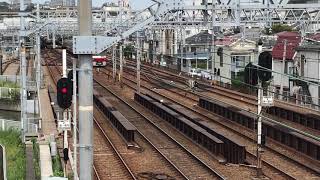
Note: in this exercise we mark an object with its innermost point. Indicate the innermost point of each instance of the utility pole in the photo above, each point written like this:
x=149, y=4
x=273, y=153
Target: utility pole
x=23, y=74
x=213, y=49
x=138, y=61
x=53, y=39
x=114, y=64
x=1, y=64
x=75, y=160
x=38, y=53
x=65, y=112
x=259, y=128
x=259, y=163
x=283, y=67
x=85, y=94
x=121, y=62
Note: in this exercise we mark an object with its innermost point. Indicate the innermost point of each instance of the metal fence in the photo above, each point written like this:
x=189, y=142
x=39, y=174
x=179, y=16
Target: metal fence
x=9, y=124
x=299, y=100
x=9, y=93
x=10, y=78
x=3, y=163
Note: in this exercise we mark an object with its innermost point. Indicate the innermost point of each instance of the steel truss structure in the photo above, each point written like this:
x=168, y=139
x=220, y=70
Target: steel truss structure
x=172, y=13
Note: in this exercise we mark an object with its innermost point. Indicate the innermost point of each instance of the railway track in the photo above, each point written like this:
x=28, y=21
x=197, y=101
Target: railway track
x=55, y=74
x=287, y=176
x=113, y=166
x=188, y=164
x=15, y=70
x=250, y=154
x=143, y=160
x=107, y=158
x=245, y=101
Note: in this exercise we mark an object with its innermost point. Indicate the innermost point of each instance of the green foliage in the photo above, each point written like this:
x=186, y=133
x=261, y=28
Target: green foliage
x=57, y=167
x=238, y=82
x=200, y=65
x=128, y=51
x=36, y=159
x=276, y=28
x=15, y=153
x=9, y=84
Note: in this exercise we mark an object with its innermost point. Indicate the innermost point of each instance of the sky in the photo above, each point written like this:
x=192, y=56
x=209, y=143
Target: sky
x=136, y=4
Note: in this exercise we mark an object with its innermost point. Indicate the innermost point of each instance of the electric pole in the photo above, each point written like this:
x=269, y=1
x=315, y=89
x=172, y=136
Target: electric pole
x=24, y=120
x=283, y=68
x=138, y=57
x=85, y=94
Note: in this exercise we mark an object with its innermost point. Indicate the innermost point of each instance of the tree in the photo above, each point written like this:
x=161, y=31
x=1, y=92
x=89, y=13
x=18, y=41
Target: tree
x=276, y=28
x=128, y=51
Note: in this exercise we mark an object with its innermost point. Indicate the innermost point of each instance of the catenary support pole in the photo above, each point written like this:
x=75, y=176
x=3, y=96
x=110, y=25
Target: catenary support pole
x=283, y=67
x=23, y=72
x=213, y=47
x=121, y=63
x=114, y=63
x=53, y=39
x=259, y=130
x=38, y=68
x=65, y=113
x=1, y=64
x=138, y=61
x=75, y=126
x=259, y=127
x=85, y=95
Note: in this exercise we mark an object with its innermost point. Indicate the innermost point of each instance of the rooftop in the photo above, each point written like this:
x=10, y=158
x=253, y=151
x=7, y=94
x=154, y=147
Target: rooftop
x=293, y=40
x=204, y=37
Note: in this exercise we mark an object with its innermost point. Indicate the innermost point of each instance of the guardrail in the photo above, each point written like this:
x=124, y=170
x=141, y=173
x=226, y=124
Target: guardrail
x=3, y=163
x=9, y=124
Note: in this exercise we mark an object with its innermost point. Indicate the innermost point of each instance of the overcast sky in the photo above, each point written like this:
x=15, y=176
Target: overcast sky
x=139, y=4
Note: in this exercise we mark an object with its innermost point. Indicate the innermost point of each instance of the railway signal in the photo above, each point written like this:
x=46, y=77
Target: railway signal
x=64, y=93
x=251, y=74
x=220, y=51
x=220, y=54
x=65, y=154
x=265, y=61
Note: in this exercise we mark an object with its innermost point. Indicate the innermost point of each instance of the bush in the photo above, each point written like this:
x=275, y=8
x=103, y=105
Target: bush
x=57, y=167
x=15, y=152
x=276, y=28
x=9, y=84
x=36, y=159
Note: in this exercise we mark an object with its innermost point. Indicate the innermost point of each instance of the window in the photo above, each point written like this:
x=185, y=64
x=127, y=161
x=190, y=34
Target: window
x=286, y=67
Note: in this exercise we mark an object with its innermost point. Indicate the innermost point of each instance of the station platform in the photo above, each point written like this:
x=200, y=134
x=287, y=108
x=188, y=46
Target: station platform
x=48, y=125
x=45, y=161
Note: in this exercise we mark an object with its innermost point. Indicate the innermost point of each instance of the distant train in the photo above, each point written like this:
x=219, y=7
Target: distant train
x=99, y=61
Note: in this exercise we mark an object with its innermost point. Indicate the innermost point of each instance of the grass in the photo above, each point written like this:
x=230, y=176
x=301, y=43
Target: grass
x=56, y=166
x=9, y=84
x=14, y=93
x=15, y=152
x=36, y=159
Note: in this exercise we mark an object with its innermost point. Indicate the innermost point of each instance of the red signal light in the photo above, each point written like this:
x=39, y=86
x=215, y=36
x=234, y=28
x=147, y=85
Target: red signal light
x=64, y=90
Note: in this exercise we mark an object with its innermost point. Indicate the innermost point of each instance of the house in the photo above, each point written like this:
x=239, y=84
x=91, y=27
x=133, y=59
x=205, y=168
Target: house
x=285, y=41
x=308, y=55
x=237, y=53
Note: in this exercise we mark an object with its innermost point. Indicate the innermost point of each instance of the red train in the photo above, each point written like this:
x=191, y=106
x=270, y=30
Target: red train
x=99, y=61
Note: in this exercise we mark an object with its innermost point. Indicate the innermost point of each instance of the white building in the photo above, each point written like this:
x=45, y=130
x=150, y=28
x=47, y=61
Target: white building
x=308, y=60
x=63, y=3
x=286, y=67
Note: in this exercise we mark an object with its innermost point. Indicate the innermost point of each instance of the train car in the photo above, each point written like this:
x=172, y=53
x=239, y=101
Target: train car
x=99, y=61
